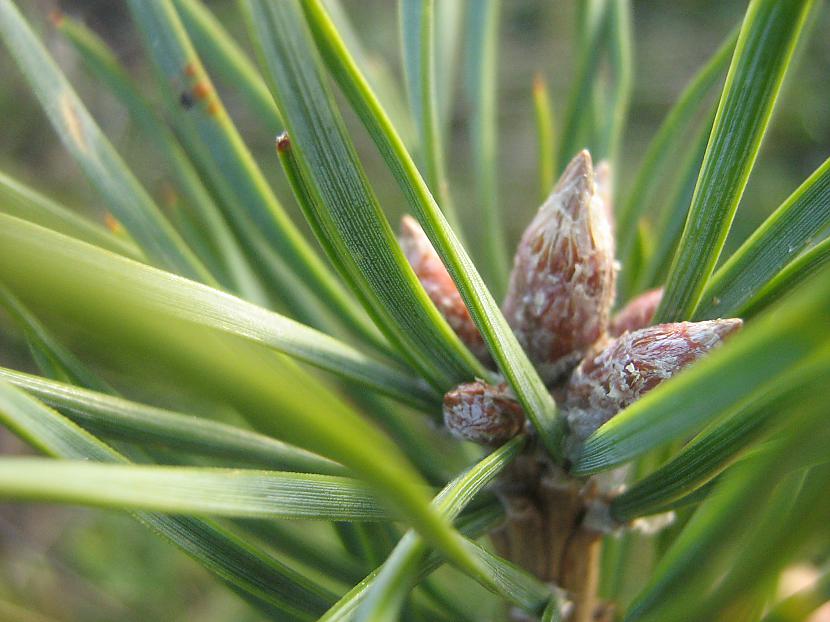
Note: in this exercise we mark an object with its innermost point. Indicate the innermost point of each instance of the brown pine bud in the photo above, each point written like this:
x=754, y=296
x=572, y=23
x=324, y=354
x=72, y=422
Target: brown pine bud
x=562, y=285
x=633, y=365
x=638, y=313
x=439, y=286
x=483, y=413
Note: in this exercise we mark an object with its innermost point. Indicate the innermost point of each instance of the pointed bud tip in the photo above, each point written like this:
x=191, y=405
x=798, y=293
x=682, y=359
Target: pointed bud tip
x=580, y=167
x=576, y=187
x=728, y=326
x=713, y=330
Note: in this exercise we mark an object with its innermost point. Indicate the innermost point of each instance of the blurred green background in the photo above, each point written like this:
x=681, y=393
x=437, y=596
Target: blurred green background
x=72, y=564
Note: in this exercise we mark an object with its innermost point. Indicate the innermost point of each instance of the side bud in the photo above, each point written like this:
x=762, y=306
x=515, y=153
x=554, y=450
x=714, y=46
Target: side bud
x=562, y=285
x=638, y=313
x=483, y=413
x=633, y=365
x=439, y=285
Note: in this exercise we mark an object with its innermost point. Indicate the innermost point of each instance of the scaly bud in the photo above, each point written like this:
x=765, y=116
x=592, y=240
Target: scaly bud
x=483, y=413
x=439, y=285
x=562, y=285
x=634, y=364
x=638, y=313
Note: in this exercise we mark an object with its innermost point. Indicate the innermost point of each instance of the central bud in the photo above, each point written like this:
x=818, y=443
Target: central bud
x=564, y=273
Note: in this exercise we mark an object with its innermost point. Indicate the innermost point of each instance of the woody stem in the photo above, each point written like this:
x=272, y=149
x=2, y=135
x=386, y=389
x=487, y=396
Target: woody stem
x=546, y=535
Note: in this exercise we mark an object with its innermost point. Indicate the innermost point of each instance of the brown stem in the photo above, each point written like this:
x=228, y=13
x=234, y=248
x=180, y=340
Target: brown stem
x=546, y=535
x=581, y=575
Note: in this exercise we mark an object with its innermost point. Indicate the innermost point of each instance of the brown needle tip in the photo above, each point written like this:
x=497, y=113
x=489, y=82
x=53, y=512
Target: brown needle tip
x=283, y=142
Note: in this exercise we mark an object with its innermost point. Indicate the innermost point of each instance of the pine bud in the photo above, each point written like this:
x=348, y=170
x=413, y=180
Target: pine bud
x=439, y=285
x=638, y=313
x=562, y=285
x=634, y=364
x=483, y=413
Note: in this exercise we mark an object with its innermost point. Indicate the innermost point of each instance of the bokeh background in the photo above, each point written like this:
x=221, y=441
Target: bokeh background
x=81, y=565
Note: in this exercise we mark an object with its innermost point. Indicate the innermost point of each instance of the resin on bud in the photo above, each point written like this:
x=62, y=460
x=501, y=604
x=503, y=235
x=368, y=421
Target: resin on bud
x=439, y=285
x=562, y=285
x=483, y=413
x=634, y=364
x=638, y=313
